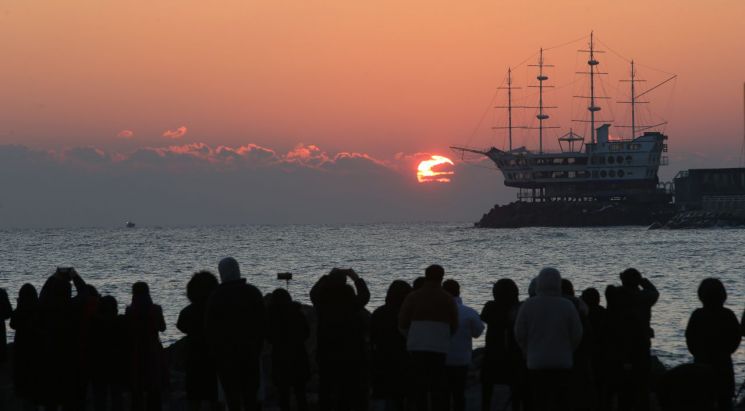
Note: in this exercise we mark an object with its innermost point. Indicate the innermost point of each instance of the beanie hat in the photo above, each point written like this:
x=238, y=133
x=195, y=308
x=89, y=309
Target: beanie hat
x=229, y=270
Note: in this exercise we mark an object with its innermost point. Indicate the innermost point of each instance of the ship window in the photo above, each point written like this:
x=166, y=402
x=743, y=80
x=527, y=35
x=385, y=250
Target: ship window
x=621, y=173
x=570, y=160
x=603, y=173
x=594, y=173
x=635, y=146
x=611, y=159
x=628, y=159
x=572, y=174
x=619, y=159
x=558, y=161
x=612, y=173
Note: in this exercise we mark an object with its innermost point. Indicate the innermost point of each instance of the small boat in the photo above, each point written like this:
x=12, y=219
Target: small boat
x=129, y=224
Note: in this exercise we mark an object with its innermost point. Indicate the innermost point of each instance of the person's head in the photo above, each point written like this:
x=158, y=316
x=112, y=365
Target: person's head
x=452, y=287
x=27, y=296
x=108, y=306
x=567, y=288
x=418, y=283
x=549, y=282
x=280, y=296
x=141, y=294
x=434, y=273
x=532, y=287
x=229, y=270
x=338, y=276
x=631, y=277
x=711, y=292
x=591, y=297
x=397, y=292
x=201, y=286
x=505, y=292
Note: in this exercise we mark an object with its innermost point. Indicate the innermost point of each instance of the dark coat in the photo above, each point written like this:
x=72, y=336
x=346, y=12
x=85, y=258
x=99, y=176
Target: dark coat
x=712, y=337
x=390, y=358
x=287, y=332
x=109, y=350
x=26, y=351
x=201, y=377
x=5, y=311
x=342, y=322
x=59, y=322
x=235, y=324
x=147, y=367
x=502, y=356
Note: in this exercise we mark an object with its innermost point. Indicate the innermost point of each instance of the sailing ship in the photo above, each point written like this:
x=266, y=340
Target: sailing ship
x=603, y=168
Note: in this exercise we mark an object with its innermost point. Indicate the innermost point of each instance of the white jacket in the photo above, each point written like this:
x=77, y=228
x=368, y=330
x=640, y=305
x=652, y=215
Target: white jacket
x=470, y=326
x=548, y=328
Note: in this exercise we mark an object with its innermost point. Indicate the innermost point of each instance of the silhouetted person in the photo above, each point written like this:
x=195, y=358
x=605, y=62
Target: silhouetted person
x=5, y=311
x=26, y=346
x=148, y=372
x=687, y=387
x=88, y=305
x=287, y=332
x=235, y=331
x=503, y=363
x=201, y=377
x=460, y=355
x=548, y=329
x=341, y=349
x=390, y=359
x=59, y=322
x=712, y=336
x=429, y=317
x=598, y=320
x=641, y=295
x=109, y=355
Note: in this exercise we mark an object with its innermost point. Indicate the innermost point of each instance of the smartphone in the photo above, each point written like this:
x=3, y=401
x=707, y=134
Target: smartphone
x=284, y=276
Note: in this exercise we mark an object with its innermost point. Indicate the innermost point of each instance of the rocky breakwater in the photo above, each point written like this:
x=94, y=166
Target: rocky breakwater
x=702, y=219
x=575, y=214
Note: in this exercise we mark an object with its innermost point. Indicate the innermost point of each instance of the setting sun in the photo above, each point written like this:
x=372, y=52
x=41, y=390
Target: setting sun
x=426, y=174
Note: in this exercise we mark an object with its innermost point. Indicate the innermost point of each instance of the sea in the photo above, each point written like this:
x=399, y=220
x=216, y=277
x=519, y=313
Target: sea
x=112, y=259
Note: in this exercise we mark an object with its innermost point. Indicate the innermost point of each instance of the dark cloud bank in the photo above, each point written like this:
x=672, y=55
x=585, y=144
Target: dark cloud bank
x=195, y=184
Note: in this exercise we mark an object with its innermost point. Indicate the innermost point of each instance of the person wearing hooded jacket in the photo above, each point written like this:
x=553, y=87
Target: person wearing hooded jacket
x=548, y=330
x=235, y=327
x=712, y=336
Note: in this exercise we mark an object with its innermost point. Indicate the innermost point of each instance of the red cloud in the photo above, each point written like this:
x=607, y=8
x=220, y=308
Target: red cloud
x=175, y=134
x=125, y=134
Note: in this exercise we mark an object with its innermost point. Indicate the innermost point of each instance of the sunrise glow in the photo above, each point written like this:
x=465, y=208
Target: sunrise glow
x=426, y=174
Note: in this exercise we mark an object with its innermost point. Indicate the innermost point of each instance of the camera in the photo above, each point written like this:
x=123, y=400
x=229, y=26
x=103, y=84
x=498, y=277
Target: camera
x=65, y=272
x=284, y=276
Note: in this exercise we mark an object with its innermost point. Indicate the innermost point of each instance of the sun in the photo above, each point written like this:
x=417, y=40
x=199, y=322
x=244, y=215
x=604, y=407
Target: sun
x=426, y=174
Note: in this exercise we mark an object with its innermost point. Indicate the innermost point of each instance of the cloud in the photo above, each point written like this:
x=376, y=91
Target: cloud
x=125, y=134
x=175, y=134
x=202, y=184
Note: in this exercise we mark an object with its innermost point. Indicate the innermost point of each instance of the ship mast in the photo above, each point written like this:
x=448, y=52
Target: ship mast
x=509, y=106
x=541, y=116
x=592, y=107
x=592, y=63
x=633, y=101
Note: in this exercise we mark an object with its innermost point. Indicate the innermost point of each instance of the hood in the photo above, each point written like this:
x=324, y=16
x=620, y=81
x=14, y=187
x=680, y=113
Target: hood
x=549, y=282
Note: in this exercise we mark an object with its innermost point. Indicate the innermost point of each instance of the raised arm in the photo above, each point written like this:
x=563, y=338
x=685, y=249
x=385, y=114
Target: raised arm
x=649, y=292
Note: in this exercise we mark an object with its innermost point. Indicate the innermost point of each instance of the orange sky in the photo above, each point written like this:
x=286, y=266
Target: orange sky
x=376, y=77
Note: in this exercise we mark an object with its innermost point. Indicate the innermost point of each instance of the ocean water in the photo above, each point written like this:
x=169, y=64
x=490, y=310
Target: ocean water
x=113, y=259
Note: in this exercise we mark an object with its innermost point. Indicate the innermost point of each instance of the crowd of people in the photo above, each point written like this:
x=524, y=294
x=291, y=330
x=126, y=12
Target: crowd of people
x=553, y=351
